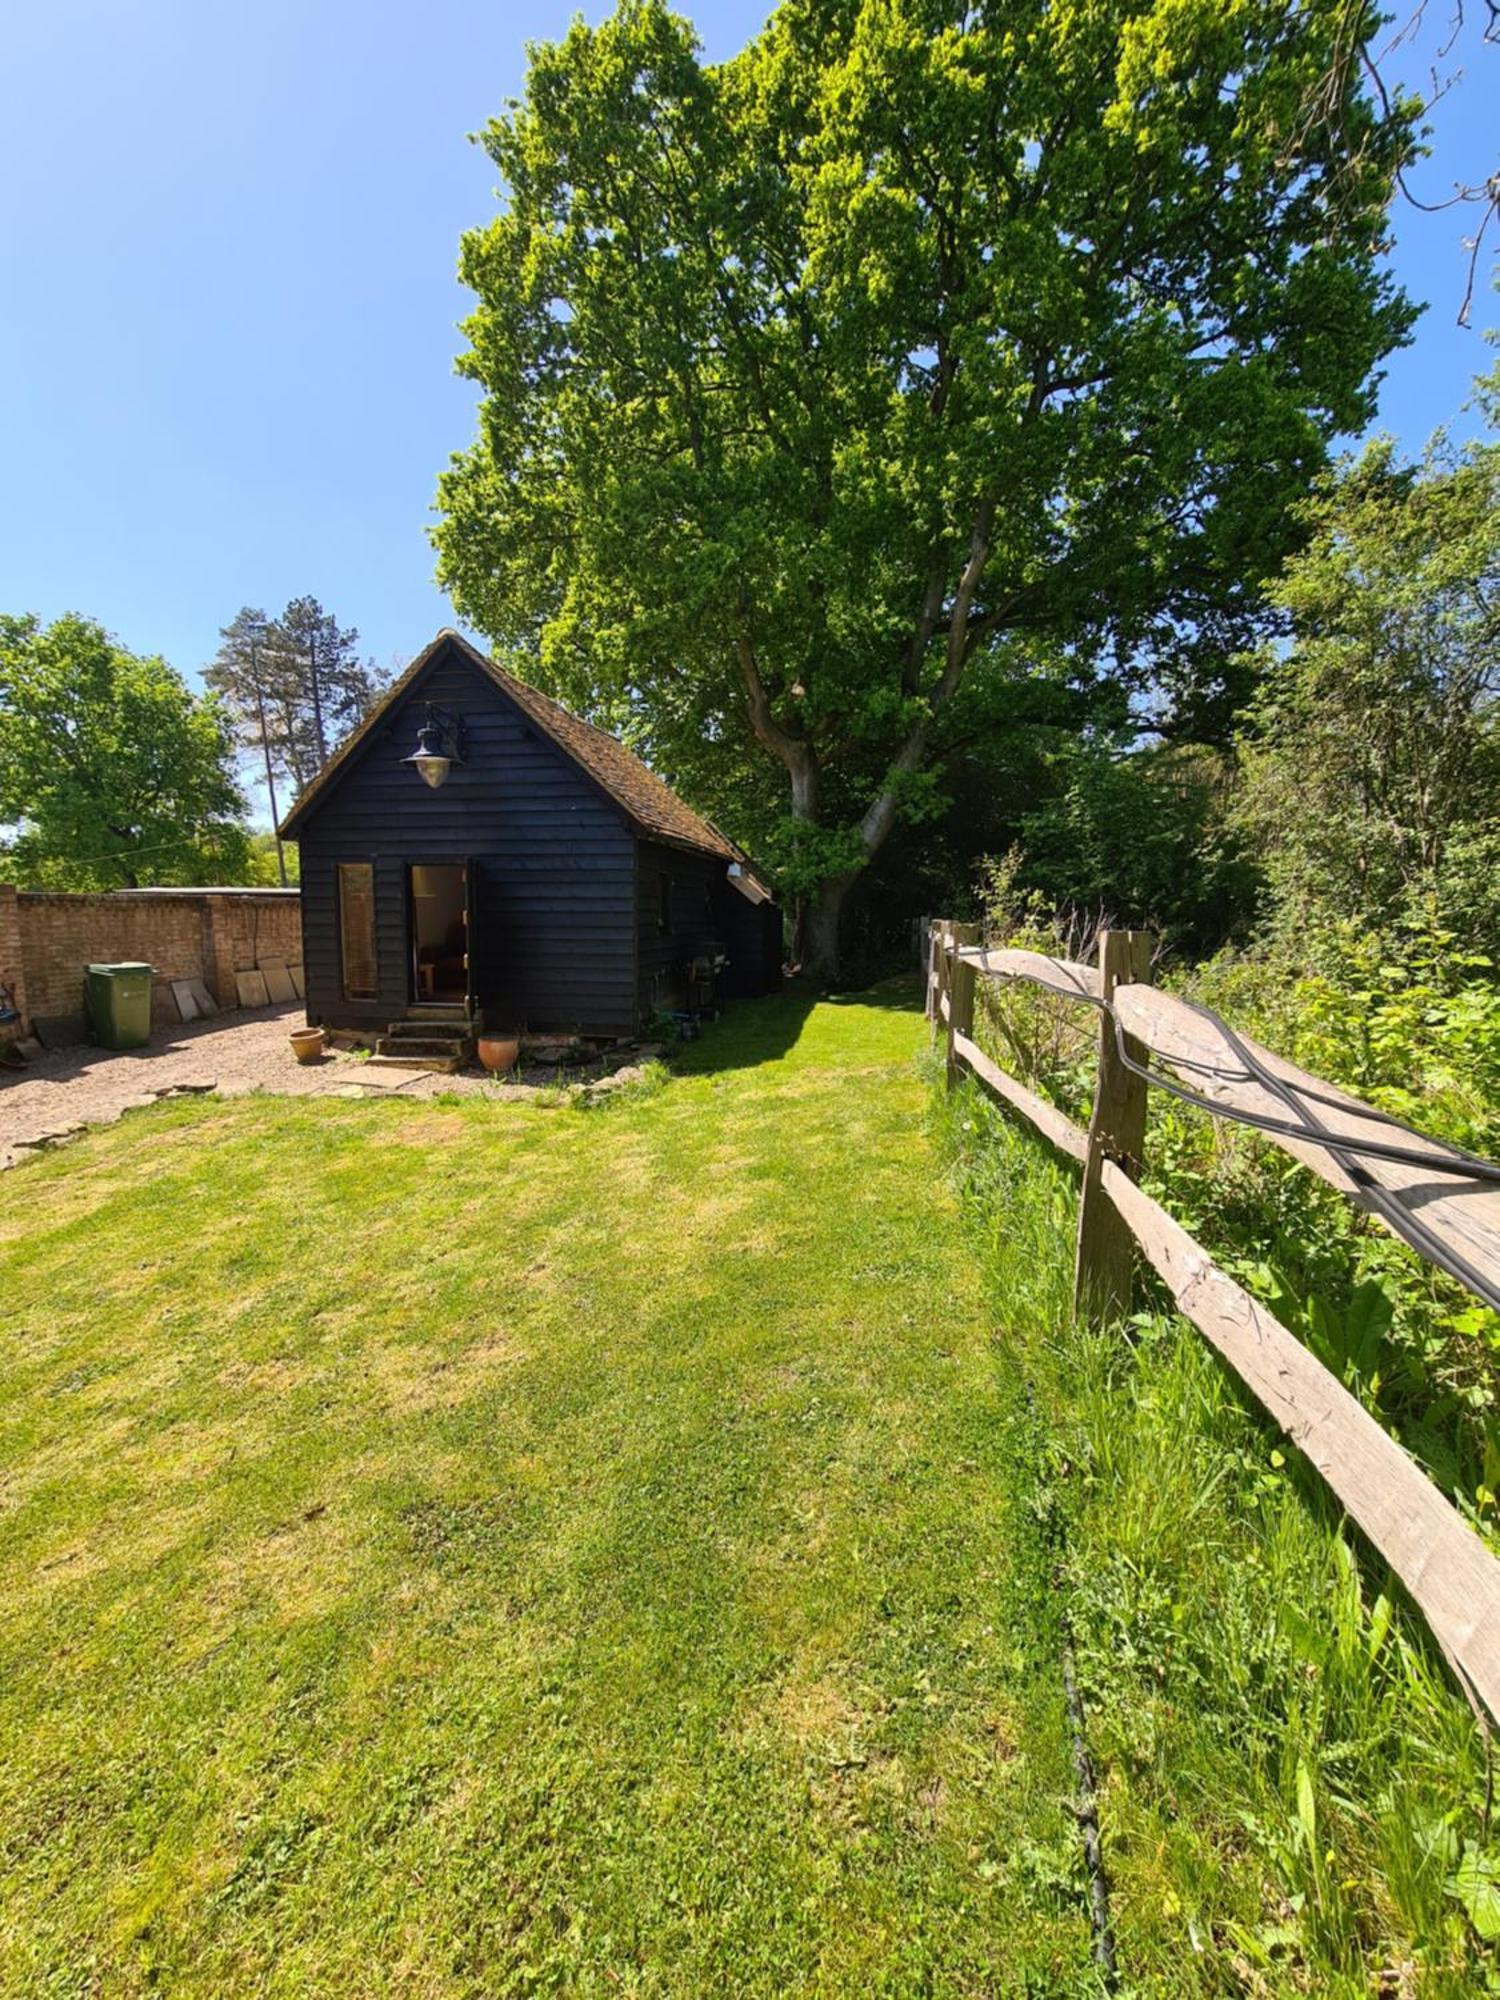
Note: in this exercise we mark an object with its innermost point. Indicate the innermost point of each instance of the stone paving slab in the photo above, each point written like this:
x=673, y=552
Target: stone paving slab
x=278, y=980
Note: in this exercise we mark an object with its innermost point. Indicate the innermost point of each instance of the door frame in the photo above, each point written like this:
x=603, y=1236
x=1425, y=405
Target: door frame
x=471, y=932
x=468, y=869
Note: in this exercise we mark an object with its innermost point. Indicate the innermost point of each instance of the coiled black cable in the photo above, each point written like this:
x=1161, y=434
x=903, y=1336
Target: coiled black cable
x=1348, y=1152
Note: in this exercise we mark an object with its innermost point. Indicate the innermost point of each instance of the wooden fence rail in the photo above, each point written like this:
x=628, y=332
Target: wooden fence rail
x=1441, y=1200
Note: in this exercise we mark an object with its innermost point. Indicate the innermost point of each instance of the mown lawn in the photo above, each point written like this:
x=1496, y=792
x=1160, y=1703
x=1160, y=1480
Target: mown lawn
x=478, y=1549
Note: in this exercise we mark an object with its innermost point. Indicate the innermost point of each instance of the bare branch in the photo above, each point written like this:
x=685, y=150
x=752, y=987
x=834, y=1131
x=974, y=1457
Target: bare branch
x=1351, y=52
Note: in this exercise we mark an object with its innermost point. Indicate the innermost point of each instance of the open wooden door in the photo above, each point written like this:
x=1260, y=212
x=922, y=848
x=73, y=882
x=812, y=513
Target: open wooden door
x=473, y=997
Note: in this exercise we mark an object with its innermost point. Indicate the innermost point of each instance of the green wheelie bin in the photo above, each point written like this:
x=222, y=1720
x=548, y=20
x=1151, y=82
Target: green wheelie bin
x=119, y=1005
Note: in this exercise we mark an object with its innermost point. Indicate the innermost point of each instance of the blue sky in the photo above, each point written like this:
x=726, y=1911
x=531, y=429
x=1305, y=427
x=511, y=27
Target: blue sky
x=228, y=237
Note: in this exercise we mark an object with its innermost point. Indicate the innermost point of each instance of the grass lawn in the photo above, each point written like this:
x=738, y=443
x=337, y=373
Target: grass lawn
x=461, y=1548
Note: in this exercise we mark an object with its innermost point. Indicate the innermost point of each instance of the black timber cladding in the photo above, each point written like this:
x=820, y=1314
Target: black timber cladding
x=694, y=885
x=708, y=915
x=593, y=885
x=554, y=858
x=752, y=936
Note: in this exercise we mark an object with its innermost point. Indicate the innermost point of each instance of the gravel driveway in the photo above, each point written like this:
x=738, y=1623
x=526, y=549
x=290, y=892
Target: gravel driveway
x=61, y=1092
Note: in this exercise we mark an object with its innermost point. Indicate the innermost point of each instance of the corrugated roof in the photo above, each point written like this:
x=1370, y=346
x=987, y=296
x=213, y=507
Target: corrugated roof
x=648, y=801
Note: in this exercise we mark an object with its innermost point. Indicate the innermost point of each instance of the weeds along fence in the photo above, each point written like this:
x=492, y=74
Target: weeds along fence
x=1443, y=1202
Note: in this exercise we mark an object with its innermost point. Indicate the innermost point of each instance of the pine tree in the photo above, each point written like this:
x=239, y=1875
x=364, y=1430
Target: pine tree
x=240, y=675
x=325, y=689
x=296, y=686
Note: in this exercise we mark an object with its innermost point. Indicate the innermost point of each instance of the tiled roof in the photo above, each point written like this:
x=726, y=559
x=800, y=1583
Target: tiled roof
x=646, y=800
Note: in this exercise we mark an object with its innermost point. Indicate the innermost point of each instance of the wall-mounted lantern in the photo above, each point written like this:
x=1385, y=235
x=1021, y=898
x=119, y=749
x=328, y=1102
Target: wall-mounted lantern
x=439, y=746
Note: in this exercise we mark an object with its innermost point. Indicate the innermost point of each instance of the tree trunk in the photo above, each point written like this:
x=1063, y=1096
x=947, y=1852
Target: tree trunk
x=317, y=701
x=265, y=751
x=820, y=928
x=816, y=932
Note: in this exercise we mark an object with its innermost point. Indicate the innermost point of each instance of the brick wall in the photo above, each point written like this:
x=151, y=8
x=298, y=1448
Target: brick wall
x=204, y=934
x=262, y=927
x=11, y=974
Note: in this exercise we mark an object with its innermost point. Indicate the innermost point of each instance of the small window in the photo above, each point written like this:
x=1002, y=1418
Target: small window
x=357, y=930
x=664, y=903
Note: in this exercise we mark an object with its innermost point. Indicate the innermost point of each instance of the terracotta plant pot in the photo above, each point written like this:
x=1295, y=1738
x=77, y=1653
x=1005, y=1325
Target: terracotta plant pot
x=307, y=1044
x=498, y=1052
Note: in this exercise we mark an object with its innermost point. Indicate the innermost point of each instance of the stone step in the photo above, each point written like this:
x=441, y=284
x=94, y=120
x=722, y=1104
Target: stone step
x=428, y=1031
x=457, y=1048
x=438, y=1010
x=445, y=1065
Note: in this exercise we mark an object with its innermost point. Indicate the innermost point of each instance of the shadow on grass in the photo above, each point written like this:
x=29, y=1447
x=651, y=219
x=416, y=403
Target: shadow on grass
x=752, y=1032
x=749, y=1033
x=900, y=995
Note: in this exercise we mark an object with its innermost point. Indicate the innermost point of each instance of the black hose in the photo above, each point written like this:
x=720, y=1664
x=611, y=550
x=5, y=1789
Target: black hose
x=1087, y=1814
x=1086, y=1808
x=1410, y=1227
x=1348, y=1152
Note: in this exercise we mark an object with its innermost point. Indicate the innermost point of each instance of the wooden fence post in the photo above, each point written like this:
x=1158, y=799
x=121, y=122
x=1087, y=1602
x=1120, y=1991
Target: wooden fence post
x=1117, y=1131
x=960, y=996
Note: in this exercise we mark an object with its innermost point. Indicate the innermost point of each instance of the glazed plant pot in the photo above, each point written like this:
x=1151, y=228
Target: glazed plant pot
x=307, y=1044
x=498, y=1053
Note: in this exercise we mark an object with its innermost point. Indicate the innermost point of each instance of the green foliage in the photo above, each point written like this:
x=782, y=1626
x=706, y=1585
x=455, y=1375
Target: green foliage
x=1356, y=832
x=295, y=687
x=1370, y=776
x=261, y=869
x=1409, y=1019
x=829, y=389
x=1372, y=756
x=1139, y=837
x=324, y=688
x=1367, y=793
x=112, y=772
x=1409, y=1023
x=1294, y=1797
x=1051, y=1046
x=1414, y=1027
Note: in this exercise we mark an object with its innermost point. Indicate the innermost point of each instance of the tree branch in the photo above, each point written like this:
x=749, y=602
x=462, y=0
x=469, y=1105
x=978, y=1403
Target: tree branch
x=921, y=638
x=958, y=622
x=795, y=752
x=881, y=816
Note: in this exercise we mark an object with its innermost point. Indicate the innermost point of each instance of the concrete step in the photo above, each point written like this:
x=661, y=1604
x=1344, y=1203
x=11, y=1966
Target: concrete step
x=446, y=1065
x=437, y=1010
x=428, y=1031
x=429, y=1046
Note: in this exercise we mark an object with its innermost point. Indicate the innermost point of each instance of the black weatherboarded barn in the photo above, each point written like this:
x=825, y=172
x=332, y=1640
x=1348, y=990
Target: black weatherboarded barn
x=527, y=870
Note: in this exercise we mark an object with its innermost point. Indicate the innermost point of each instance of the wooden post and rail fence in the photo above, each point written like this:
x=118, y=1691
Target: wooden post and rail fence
x=1443, y=1202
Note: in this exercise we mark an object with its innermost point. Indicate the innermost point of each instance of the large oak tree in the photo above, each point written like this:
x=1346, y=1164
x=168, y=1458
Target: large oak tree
x=830, y=389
